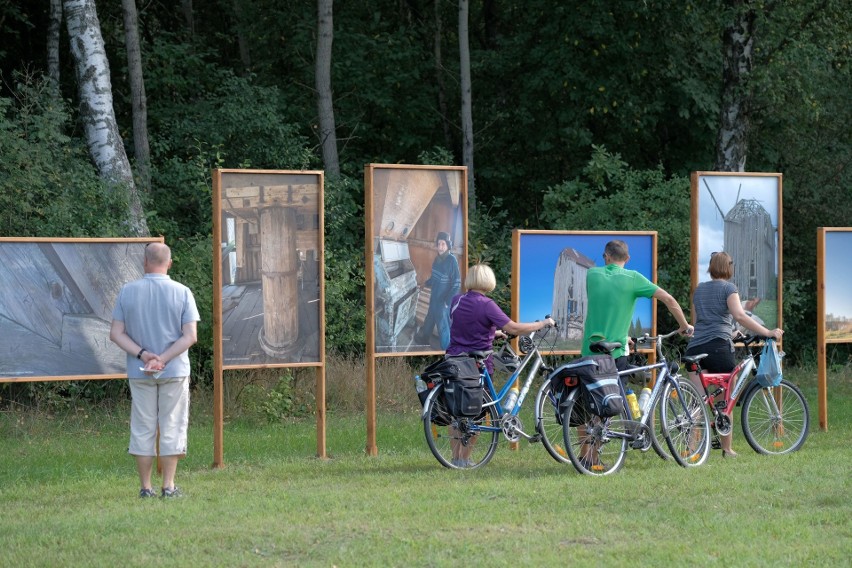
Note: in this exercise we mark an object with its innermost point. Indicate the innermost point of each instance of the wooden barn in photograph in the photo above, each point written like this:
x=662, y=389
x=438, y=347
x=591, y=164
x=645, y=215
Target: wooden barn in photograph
x=569, y=293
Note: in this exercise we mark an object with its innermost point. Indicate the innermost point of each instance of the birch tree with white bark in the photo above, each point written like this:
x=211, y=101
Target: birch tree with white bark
x=96, y=108
x=735, y=111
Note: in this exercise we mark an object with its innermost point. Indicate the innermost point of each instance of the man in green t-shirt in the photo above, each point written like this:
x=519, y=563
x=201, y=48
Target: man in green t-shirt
x=612, y=291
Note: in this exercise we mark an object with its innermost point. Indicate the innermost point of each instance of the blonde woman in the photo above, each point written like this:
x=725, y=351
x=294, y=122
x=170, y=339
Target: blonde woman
x=475, y=319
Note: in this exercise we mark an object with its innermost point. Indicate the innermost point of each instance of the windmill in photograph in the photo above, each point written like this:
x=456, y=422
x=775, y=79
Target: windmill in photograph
x=569, y=293
x=749, y=238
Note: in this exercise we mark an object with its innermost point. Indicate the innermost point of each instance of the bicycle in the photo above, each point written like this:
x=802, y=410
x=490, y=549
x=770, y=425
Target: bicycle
x=775, y=418
x=445, y=432
x=598, y=446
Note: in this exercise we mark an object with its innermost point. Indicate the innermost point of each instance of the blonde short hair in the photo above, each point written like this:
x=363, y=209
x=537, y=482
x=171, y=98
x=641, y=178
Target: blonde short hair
x=481, y=278
x=721, y=265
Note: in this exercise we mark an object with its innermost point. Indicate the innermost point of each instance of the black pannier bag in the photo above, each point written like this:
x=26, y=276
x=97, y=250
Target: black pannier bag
x=601, y=384
x=463, y=389
x=563, y=380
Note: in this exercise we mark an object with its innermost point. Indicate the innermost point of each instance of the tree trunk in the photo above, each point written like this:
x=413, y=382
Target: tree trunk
x=466, y=110
x=96, y=111
x=186, y=10
x=54, y=26
x=242, y=40
x=137, y=94
x=328, y=137
x=735, y=108
x=439, y=78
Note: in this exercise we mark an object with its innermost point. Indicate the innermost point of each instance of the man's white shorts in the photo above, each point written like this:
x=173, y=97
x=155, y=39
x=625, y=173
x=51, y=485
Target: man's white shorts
x=159, y=402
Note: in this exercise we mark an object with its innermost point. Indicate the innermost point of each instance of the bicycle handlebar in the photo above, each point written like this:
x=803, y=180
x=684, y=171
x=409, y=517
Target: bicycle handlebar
x=510, y=337
x=749, y=339
x=653, y=338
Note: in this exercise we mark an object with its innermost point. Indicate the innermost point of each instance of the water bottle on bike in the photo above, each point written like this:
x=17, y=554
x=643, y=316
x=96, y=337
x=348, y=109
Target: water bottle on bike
x=644, y=399
x=634, y=404
x=511, y=399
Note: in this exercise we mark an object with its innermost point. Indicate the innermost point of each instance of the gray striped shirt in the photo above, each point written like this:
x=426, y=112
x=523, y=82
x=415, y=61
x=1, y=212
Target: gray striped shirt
x=712, y=318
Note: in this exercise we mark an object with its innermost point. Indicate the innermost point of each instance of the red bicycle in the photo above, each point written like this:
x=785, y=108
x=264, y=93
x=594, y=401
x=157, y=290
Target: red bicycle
x=775, y=418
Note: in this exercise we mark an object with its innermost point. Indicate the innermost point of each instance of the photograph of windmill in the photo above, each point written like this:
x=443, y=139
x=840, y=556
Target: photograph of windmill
x=739, y=214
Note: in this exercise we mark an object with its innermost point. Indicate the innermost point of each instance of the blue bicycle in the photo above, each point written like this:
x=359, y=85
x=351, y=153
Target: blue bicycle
x=469, y=442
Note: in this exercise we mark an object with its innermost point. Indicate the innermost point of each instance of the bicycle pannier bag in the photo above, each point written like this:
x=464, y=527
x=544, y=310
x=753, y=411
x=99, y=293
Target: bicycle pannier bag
x=464, y=396
x=769, y=368
x=562, y=381
x=602, y=386
x=463, y=388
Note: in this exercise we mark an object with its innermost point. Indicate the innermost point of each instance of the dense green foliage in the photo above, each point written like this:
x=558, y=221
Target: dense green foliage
x=47, y=186
x=588, y=115
x=609, y=195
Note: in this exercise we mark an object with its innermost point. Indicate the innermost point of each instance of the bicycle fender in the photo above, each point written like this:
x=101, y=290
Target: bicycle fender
x=754, y=385
x=429, y=398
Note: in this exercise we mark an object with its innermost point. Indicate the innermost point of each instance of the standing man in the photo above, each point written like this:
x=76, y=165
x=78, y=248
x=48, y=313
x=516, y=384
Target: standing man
x=154, y=321
x=612, y=291
x=445, y=282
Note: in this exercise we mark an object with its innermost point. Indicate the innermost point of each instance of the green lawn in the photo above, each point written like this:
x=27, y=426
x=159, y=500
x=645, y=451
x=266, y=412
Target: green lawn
x=68, y=497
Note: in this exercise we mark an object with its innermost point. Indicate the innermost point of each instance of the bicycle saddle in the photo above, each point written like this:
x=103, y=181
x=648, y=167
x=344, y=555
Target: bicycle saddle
x=479, y=355
x=605, y=346
x=693, y=358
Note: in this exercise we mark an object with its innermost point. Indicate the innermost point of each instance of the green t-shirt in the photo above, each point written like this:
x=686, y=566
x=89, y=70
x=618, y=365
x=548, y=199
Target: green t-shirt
x=612, y=292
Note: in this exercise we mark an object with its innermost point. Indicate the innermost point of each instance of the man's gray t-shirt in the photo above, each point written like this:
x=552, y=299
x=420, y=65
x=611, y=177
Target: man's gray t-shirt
x=712, y=318
x=154, y=310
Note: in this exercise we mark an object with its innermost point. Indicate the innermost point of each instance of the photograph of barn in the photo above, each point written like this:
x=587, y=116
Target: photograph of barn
x=569, y=293
x=552, y=279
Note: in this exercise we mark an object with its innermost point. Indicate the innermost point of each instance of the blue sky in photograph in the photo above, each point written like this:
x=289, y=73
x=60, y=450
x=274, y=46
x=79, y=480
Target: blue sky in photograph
x=725, y=191
x=838, y=274
x=540, y=252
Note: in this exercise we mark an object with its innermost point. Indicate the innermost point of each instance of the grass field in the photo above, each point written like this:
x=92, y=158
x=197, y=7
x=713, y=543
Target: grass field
x=68, y=496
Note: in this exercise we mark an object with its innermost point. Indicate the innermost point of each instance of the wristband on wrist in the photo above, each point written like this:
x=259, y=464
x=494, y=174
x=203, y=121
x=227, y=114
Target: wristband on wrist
x=141, y=351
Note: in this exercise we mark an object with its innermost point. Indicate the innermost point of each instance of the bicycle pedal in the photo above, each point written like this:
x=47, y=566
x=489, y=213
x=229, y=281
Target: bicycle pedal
x=716, y=444
x=535, y=439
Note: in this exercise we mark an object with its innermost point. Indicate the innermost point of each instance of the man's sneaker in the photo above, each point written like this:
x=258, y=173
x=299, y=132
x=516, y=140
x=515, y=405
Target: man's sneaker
x=143, y=493
x=173, y=492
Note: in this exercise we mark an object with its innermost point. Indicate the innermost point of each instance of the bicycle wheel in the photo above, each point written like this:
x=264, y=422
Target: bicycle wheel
x=588, y=438
x=456, y=442
x=685, y=424
x=549, y=423
x=657, y=437
x=776, y=420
